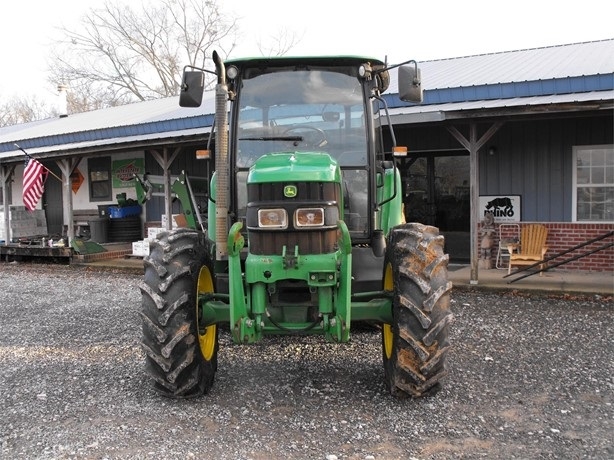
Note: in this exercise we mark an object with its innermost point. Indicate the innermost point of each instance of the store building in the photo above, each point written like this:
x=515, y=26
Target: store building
x=526, y=134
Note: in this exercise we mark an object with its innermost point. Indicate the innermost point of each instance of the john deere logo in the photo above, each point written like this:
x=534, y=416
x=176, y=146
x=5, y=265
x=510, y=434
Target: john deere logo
x=290, y=191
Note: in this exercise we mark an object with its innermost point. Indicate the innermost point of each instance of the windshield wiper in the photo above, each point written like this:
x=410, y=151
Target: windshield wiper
x=272, y=138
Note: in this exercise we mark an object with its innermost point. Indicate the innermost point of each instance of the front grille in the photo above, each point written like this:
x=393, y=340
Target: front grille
x=306, y=191
x=319, y=240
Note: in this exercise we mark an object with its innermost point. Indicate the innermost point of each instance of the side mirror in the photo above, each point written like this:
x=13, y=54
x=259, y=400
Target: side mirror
x=410, y=84
x=192, y=88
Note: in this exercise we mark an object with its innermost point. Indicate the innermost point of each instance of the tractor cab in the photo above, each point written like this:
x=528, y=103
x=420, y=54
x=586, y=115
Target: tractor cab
x=297, y=110
x=313, y=112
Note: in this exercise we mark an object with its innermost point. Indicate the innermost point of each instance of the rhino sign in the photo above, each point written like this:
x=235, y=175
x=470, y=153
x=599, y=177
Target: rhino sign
x=500, y=207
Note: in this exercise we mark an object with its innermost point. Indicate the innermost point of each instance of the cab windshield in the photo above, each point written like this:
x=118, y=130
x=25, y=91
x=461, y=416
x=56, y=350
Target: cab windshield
x=317, y=110
x=301, y=110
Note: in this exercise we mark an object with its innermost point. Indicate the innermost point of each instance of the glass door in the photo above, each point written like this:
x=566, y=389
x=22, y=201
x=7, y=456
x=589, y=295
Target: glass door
x=437, y=193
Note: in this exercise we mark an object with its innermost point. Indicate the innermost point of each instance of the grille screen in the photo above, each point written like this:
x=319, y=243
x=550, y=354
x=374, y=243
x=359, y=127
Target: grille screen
x=319, y=240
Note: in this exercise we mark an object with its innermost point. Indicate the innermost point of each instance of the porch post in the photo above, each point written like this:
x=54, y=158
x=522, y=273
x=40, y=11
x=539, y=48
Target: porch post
x=473, y=145
x=6, y=172
x=67, y=166
x=165, y=161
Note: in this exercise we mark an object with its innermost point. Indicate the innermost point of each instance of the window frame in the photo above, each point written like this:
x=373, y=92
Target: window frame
x=576, y=149
x=102, y=165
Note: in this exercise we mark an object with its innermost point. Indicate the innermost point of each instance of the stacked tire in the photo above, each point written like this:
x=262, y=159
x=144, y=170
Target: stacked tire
x=125, y=229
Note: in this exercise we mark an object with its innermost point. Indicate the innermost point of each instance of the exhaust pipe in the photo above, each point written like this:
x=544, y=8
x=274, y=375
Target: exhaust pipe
x=221, y=160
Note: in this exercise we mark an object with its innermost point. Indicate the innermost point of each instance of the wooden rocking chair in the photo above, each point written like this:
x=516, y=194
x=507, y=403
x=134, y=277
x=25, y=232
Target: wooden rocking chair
x=532, y=247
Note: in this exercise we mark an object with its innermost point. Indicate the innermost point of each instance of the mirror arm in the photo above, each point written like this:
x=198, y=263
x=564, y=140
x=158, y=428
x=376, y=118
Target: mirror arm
x=411, y=61
x=211, y=135
x=393, y=137
x=188, y=66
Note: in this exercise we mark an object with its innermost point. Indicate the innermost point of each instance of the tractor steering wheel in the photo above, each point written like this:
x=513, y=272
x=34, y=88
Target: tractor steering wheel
x=316, y=139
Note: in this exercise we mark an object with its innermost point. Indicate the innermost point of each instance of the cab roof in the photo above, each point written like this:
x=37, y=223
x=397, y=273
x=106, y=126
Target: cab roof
x=284, y=61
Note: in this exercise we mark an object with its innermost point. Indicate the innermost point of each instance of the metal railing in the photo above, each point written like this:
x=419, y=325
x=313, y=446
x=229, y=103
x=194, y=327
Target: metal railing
x=567, y=251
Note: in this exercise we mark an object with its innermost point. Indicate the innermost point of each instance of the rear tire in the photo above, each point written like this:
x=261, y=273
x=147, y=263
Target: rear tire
x=180, y=359
x=415, y=346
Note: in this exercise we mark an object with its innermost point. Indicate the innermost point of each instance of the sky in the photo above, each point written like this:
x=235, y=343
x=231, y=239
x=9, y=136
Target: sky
x=398, y=30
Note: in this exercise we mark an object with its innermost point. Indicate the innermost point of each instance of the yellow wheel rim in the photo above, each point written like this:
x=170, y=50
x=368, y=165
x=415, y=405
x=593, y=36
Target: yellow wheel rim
x=207, y=340
x=387, y=333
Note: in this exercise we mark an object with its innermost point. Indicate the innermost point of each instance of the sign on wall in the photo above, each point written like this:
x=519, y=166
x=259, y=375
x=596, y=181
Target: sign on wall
x=76, y=180
x=504, y=208
x=124, y=171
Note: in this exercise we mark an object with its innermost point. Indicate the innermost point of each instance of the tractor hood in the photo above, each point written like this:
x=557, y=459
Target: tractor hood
x=296, y=166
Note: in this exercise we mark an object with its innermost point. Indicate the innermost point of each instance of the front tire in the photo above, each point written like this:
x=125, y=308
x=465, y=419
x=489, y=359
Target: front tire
x=415, y=346
x=181, y=359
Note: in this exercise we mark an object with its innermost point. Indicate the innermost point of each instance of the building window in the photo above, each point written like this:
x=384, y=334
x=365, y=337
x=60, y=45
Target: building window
x=593, y=199
x=99, y=175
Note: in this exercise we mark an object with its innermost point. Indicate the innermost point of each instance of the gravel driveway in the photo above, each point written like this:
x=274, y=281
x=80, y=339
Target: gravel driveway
x=529, y=377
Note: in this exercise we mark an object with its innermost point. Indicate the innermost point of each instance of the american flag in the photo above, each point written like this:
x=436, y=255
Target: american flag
x=33, y=183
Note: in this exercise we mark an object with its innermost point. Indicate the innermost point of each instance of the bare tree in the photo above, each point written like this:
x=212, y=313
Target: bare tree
x=20, y=109
x=123, y=55
x=280, y=43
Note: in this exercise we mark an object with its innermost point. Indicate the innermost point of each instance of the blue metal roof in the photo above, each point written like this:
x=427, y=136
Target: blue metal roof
x=564, y=69
x=573, y=60
x=580, y=68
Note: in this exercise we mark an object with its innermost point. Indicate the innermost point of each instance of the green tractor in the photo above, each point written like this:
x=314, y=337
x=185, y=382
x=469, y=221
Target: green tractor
x=304, y=231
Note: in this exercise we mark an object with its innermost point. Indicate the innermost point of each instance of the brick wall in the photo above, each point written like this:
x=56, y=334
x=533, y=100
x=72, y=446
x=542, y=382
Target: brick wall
x=565, y=235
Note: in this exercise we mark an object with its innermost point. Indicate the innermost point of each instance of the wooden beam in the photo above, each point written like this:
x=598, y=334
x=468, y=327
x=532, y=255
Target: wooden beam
x=6, y=173
x=474, y=193
x=473, y=145
x=67, y=166
x=165, y=160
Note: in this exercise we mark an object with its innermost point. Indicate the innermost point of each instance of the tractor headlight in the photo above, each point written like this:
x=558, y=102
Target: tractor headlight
x=272, y=218
x=309, y=217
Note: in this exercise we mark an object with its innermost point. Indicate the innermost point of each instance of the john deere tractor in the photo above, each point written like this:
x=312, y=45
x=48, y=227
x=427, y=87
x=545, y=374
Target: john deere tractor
x=304, y=231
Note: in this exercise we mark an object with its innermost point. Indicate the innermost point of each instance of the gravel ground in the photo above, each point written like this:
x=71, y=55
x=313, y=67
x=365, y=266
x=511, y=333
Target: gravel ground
x=529, y=377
